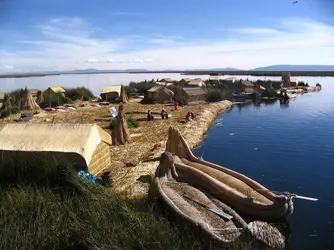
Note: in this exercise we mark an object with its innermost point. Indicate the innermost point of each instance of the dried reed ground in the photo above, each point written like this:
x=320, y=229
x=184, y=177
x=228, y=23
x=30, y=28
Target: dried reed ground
x=134, y=164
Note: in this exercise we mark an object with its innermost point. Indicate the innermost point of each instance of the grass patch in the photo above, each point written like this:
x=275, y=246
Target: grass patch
x=10, y=111
x=38, y=212
x=132, y=123
x=80, y=93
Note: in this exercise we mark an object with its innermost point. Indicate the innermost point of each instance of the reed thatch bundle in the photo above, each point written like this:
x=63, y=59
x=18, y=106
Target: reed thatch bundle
x=124, y=97
x=6, y=103
x=40, y=97
x=120, y=134
x=27, y=102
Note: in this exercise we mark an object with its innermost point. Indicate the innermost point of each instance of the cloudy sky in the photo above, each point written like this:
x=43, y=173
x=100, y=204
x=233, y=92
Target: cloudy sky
x=38, y=35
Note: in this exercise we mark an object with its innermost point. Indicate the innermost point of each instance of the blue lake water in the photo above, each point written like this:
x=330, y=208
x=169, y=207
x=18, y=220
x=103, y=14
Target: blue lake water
x=287, y=148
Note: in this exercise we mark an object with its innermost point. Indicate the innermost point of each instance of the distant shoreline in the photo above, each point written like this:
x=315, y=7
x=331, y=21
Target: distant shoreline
x=185, y=72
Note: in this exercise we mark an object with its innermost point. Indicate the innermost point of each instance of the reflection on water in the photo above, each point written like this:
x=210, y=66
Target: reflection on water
x=284, y=103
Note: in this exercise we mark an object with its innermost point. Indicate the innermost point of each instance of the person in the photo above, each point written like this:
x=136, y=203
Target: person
x=164, y=114
x=176, y=105
x=181, y=103
x=192, y=115
x=149, y=115
x=188, y=117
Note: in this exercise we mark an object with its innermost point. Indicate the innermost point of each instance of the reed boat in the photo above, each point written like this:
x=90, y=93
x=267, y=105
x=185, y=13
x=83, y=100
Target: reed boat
x=243, y=194
x=220, y=224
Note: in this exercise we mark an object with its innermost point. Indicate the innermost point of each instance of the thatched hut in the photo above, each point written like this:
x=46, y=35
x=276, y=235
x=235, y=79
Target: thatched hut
x=160, y=94
x=34, y=93
x=81, y=146
x=54, y=90
x=111, y=93
x=198, y=82
x=167, y=80
x=191, y=95
x=28, y=103
x=120, y=134
x=184, y=81
x=248, y=86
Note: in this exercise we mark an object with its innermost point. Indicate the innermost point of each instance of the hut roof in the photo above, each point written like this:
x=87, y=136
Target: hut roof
x=57, y=89
x=194, y=91
x=186, y=79
x=247, y=83
x=32, y=137
x=195, y=82
x=33, y=91
x=109, y=89
x=166, y=80
x=231, y=79
x=156, y=88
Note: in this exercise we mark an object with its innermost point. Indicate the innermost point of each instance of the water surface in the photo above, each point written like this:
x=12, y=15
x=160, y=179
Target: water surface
x=286, y=148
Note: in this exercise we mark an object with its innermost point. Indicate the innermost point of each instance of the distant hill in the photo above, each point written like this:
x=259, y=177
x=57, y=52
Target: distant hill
x=296, y=68
x=218, y=69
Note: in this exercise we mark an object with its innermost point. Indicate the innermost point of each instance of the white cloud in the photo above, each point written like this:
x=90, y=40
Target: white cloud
x=67, y=43
x=255, y=31
x=92, y=60
x=8, y=67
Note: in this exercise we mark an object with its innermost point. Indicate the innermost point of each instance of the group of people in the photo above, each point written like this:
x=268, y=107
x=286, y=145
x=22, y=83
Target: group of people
x=163, y=113
x=177, y=104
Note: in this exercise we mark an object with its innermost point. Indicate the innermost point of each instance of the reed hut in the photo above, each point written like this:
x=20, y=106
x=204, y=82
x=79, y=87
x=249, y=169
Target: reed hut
x=198, y=82
x=81, y=146
x=111, y=93
x=120, y=134
x=166, y=80
x=55, y=90
x=159, y=94
x=191, y=95
x=184, y=81
x=34, y=93
x=28, y=103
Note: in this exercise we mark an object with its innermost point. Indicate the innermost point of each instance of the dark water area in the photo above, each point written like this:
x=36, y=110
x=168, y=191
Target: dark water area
x=286, y=148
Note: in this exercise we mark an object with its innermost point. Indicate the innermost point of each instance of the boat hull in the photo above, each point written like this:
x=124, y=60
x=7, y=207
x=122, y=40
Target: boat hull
x=241, y=193
x=192, y=206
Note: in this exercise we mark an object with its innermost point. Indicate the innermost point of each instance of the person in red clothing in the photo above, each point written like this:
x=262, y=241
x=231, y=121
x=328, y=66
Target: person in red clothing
x=176, y=105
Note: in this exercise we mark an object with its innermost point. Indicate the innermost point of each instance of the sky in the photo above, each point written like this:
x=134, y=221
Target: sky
x=38, y=35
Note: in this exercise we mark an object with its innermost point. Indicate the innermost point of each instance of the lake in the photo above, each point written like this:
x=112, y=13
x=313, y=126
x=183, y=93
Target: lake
x=286, y=148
